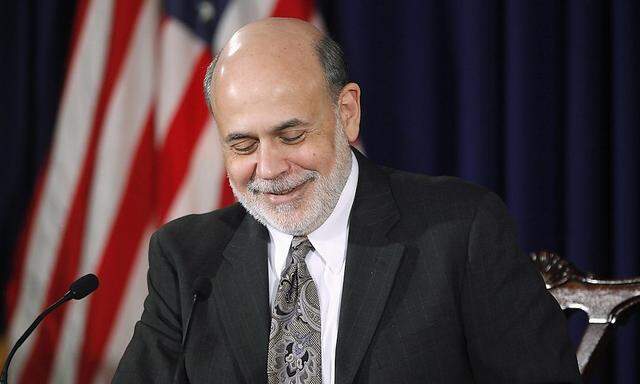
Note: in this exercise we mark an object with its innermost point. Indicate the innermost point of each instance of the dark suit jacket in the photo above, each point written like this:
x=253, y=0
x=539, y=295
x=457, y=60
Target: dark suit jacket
x=435, y=291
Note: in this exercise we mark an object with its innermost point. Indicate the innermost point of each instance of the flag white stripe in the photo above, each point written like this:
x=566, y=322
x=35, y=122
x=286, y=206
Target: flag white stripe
x=125, y=118
x=200, y=191
x=179, y=53
x=237, y=14
x=68, y=152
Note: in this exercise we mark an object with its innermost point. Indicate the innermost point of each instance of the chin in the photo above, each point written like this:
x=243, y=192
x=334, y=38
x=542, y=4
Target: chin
x=293, y=218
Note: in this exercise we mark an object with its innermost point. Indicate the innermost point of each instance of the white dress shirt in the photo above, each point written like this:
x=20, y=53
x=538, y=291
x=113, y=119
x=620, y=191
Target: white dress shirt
x=325, y=265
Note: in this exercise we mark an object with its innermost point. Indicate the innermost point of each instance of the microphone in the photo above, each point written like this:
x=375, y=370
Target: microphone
x=82, y=287
x=201, y=292
x=79, y=289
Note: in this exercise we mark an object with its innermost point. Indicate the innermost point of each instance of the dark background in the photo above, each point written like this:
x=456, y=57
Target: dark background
x=537, y=100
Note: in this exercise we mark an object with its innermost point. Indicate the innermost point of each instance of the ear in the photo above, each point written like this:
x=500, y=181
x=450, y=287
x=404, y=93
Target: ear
x=349, y=107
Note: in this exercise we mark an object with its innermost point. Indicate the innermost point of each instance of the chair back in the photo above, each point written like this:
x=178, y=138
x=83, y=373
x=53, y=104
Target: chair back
x=605, y=302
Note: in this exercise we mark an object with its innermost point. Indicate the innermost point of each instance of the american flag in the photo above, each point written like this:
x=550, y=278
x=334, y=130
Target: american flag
x=134, y=147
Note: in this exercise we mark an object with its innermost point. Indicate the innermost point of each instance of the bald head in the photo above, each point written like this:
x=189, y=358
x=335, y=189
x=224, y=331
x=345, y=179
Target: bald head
x=285, y=116
x=273, y=51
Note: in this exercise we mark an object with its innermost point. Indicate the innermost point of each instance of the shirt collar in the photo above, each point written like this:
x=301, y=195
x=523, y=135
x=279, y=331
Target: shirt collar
x=330, y=239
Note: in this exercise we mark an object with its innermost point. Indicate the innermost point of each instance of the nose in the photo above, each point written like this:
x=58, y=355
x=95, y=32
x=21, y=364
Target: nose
x=271, y=162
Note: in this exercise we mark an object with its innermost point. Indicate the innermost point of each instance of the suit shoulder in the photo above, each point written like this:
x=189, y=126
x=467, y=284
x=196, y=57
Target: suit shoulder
x=438, y=196
x=219, y=224
x=420, y=187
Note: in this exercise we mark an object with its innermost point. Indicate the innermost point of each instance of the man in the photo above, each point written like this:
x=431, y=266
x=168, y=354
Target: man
x=331, y=269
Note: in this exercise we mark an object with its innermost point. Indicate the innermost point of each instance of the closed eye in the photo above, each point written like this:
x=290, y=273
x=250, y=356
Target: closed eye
x=245, y=146
x=292, y=139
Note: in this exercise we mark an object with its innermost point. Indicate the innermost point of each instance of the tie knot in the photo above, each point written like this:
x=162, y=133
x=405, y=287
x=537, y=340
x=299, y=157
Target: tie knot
x=301, y=245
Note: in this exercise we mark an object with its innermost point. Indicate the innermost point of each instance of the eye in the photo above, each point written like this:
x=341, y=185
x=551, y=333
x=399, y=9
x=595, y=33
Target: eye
x=244, y=147
x=292, y=137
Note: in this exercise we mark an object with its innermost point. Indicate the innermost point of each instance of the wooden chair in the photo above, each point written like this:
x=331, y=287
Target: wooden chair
x=604, y=301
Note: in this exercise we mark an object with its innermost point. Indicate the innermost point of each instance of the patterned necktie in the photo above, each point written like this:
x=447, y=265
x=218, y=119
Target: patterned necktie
x=294, y=339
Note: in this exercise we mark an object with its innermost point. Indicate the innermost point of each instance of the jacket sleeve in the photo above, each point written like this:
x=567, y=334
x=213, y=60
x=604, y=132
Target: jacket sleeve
x=154, y=350
x=515, y=330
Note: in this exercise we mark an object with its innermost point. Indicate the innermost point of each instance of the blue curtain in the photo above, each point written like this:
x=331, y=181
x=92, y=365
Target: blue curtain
x=33, y=45
x=537, y=100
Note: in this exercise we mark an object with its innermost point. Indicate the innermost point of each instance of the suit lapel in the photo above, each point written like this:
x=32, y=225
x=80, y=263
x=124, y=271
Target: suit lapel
x=371, y=265
x=241, y=296
x=241, y=285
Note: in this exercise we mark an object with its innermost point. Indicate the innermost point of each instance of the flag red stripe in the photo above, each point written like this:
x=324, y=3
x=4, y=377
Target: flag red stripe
x=301, y=9
x=18, y=259
x=134, y=215
x=38, y=366
x=226, y=197
x=183, y=134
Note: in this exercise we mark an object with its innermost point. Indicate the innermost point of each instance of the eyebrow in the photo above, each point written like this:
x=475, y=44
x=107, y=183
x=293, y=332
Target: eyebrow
x=291, y=123
x=235, y=136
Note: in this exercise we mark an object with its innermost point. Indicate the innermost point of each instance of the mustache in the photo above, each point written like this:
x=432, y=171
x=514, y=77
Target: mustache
x=282, y=183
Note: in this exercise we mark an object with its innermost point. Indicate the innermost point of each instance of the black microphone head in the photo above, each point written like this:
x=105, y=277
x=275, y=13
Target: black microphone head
x=80, y=288
x=202, y=288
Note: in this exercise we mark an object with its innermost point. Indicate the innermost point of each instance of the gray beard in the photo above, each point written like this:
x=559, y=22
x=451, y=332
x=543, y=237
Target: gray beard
x=300, y=217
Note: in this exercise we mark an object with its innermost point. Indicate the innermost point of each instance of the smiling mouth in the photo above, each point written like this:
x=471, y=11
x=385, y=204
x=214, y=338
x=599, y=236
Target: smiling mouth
x=280, y=193
x=286, y=196
x=287, y=191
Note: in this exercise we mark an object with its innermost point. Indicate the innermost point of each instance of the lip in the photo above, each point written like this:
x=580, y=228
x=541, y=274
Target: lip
x=294, y=194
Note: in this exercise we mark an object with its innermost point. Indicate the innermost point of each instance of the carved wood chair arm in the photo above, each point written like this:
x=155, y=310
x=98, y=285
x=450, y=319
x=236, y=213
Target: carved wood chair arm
x=604, y=301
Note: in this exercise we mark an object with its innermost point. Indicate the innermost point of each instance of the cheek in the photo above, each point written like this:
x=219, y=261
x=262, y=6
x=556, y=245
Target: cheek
x=318, y=160
x=240, y=171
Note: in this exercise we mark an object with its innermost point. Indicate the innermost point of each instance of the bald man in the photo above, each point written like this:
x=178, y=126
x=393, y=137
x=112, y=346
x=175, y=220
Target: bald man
x=331, y=269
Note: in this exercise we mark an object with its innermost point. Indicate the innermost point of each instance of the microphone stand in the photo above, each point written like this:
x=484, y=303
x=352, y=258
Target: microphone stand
x=178, y=375
x=25, y=335
x=201, y=292
x=78, y=290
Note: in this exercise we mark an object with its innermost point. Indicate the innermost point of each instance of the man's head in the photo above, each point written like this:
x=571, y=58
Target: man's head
x=286, y=116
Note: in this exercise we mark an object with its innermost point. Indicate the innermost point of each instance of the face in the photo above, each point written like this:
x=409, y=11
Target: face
x=286, y=150
x=300, y=200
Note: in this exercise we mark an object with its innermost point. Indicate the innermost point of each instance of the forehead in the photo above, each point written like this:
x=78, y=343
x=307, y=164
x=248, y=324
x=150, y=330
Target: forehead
x=262, y=88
